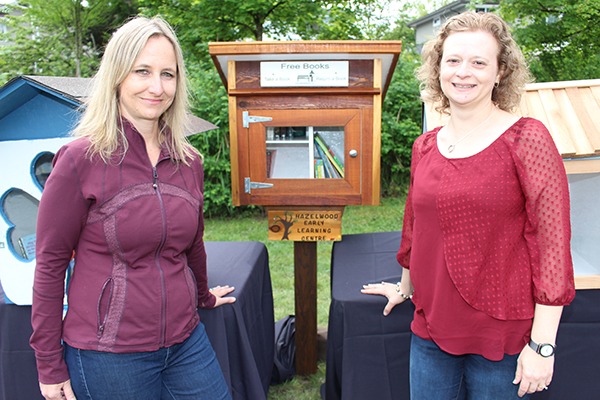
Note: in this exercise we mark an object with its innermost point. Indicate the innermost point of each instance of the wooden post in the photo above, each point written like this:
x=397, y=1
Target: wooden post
x=305, y=271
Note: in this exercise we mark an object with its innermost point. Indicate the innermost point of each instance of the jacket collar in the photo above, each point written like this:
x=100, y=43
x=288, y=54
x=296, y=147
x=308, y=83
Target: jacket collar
x=135, y=138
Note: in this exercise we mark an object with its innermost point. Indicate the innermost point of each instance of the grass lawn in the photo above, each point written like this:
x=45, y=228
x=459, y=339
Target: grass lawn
x=356, y=219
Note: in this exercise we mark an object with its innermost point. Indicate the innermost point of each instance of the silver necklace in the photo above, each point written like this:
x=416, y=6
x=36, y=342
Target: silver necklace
x=452, y=146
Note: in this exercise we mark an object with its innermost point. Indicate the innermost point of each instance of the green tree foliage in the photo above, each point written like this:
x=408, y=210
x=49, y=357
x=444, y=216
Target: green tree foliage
x=58, y=37
x=209, y=101
x=349, y=20
x=559, y=37
x=402, y=111
x=230, y=20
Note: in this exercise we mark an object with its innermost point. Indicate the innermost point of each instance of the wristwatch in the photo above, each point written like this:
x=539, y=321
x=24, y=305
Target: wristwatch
x=543, y=349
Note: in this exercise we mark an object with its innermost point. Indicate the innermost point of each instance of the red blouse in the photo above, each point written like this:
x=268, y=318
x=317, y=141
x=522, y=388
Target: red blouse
x=441, y=314
x=503, y=222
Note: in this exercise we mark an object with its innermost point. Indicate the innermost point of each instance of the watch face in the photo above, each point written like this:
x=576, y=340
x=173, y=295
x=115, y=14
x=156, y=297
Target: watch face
x=546, y=350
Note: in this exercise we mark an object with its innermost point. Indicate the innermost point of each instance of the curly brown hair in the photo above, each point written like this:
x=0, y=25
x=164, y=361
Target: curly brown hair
x=514, y=73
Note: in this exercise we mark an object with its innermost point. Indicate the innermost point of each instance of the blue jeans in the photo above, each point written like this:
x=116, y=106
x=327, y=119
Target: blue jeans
x=188, y=370
x=435, y=374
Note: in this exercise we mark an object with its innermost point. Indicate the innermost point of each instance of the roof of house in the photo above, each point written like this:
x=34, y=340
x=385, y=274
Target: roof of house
x=74, y=88
x=77, y=89
x=452, y=8
x=569, y=109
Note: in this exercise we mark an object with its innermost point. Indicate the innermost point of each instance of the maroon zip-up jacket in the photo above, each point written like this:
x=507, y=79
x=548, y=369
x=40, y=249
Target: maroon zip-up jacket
x=140, y=265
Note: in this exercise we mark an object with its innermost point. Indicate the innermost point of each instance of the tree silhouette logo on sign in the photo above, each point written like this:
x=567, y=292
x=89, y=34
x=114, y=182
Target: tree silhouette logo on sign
x=283, y=223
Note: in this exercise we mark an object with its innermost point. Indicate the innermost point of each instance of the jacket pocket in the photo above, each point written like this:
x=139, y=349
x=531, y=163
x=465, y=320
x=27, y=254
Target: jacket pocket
x=192, y=285
x=104, y=305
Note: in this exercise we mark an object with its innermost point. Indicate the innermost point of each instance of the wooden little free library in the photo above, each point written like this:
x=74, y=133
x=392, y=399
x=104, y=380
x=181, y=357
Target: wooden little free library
x=305, y=119
x=305, y=133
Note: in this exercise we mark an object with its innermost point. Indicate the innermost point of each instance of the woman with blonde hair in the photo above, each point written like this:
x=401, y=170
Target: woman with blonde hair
x=485, y=244
x=126, y=198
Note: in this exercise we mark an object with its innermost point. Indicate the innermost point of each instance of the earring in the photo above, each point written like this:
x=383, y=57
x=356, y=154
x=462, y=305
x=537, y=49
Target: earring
x=496, y=85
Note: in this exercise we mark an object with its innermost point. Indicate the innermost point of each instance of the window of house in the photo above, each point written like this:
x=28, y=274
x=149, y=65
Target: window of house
x=41, y=167
x=20, y=209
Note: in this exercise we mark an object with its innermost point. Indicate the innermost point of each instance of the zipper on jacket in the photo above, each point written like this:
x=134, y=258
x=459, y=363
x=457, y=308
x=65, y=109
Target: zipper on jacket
x=163, y=315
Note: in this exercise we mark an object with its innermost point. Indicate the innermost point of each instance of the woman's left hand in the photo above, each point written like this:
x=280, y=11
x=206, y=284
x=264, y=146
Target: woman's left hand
x=219, y=292
x=534, y=372
x=389, y=290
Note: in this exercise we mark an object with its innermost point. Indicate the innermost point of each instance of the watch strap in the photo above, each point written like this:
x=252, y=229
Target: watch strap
x=537, y=347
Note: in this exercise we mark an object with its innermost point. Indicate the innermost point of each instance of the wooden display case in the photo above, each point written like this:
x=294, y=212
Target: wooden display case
x=305, y=137
x=304, y=119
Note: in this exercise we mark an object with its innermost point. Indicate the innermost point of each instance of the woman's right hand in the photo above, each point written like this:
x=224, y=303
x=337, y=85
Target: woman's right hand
x=59, y=391
x=389, y=290
x=220, y=292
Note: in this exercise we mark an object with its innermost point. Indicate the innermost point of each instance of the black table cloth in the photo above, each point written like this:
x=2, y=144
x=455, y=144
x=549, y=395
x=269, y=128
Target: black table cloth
x=241, y=333
x=367, y=353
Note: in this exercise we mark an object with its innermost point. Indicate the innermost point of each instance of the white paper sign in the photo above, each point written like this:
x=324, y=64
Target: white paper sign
x=304, y=73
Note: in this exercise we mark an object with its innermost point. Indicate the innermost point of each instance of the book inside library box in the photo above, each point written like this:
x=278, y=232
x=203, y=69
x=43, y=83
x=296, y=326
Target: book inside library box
x=305, y=152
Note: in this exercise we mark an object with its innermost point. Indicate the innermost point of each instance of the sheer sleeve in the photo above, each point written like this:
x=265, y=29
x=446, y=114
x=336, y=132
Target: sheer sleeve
x=548, y=229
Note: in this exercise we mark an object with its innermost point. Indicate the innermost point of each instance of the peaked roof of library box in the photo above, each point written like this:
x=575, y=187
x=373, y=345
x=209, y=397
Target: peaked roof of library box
x=569, y=109
x=388, y=51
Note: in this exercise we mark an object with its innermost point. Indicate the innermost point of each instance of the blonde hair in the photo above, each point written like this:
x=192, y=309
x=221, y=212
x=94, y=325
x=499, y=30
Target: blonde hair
x=514, y=73
x=100, y=121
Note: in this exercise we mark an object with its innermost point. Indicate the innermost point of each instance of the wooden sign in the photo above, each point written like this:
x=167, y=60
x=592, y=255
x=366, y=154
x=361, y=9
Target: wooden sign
x=308, y=225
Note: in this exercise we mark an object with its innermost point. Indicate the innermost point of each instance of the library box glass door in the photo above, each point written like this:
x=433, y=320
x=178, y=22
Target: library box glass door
x=308, y=156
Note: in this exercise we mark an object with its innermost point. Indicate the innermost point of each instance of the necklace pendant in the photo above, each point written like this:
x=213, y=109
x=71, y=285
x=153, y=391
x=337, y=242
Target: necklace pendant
x=451, y=148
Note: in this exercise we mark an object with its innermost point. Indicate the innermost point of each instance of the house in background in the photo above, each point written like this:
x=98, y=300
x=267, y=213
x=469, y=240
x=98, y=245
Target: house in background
x=36, y=115
x=427, y=26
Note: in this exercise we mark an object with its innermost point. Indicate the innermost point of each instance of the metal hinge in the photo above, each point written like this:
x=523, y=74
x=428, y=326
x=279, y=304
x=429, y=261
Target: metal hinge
x=255, y=185
x=248, y=119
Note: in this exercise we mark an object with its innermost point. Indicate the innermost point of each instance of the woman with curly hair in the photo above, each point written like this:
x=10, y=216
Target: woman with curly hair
x=485, y=244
